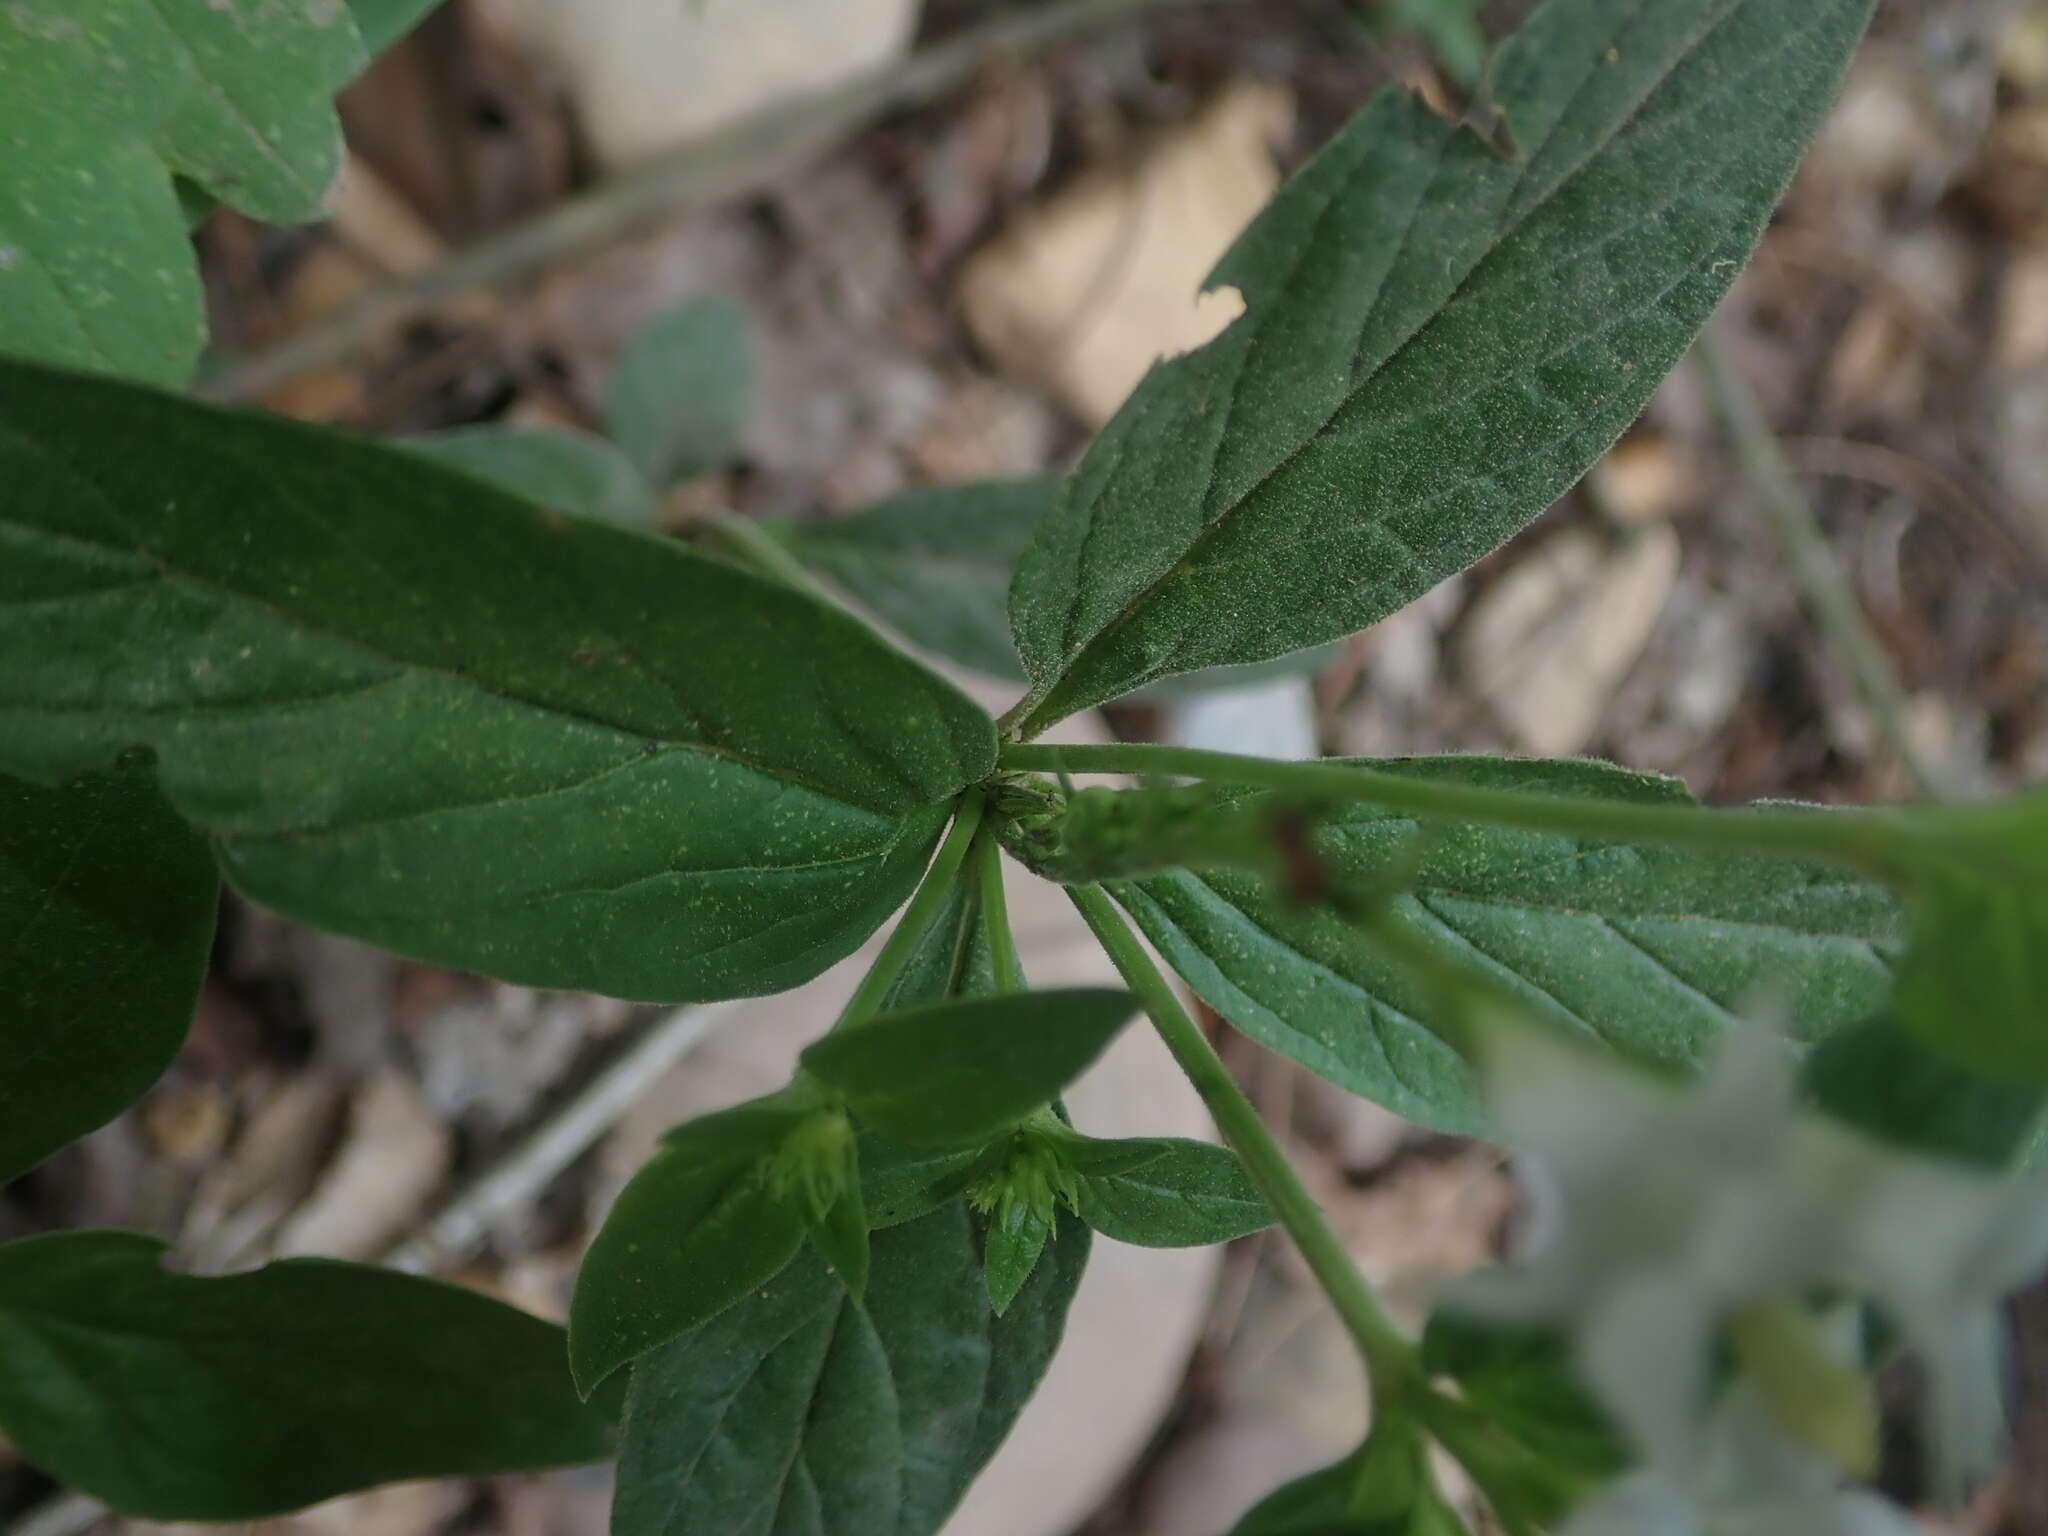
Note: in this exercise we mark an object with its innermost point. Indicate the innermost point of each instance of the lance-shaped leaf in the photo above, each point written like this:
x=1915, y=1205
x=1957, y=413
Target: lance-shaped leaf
x=103, y=103
x=959, y=1073
x=1164, y=1192
x=1650, y=950
x=551, y=467
x=1438, y=340
x=430, y=716
x=796, y=1410
x=698, y=1227
x=106, y=917
x=227, y=1399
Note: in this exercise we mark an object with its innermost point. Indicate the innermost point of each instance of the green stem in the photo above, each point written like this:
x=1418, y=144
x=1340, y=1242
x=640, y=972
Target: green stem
x=917, y=917
x=1388, y=1354
x=1869, y=840
x=1834, y=603
x=995, y=914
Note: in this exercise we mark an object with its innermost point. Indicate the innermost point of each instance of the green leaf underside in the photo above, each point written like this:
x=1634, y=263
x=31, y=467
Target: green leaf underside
x=1166, y=1193
x=958, y=1073
x=106, y=917
x=686, y=1238
x=233, y=1398
x=934, y=564
x=575, y=472
x=1438, y=342
x=798, y=1413
x=1649, y=950
x=953, y=958
x=679, y=395
x=437, y=719
x=104, y=101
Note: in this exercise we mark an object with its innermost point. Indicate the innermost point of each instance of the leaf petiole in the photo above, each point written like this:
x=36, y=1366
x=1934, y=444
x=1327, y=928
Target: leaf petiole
x=987, y=858
x=917, y=916
x=1390, y=1357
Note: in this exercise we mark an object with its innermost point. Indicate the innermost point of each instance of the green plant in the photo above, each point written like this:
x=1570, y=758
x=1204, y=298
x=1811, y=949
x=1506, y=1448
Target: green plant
x=379, y=695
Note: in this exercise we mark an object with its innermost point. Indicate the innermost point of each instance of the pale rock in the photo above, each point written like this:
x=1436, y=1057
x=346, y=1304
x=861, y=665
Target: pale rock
x=394, y=1156
x=647, y=74
x=1547, y=644
x=1084, y=292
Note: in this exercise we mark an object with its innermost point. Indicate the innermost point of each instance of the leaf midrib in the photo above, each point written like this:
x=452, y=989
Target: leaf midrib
x=170, y=573
x=1076, y=656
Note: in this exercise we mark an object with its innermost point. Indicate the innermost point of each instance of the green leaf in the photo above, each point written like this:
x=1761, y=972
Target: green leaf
x=840, y=1236
x=797, y=1410
x=697, y=1228
x=551, y=467
x=227, y=1399
x=106, y=919
x=1161, y=1192
x=952, y=958
x=1384, y=1488
x=1012, y=1244
x=959, y=1073
x=424, y=714
x=678, y=398
x=1974, y=984
x=105, y=101
x=384, y=22
x=1883, y=1079
x=1437, y=342
x=1551, y=1440
x=1651, y=950
x=935, y=564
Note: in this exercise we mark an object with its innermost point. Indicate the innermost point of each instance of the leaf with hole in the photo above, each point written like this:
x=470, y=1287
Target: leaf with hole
x=1438, y=341
x=106, y=918
x=183, y=1398
x=104, y=104
x=430, y=716
x=1652, y=950
x=960, y=1073
x=797, y=1410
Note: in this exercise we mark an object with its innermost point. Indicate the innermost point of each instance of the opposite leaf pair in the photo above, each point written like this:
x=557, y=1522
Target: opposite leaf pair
x=951, y=1100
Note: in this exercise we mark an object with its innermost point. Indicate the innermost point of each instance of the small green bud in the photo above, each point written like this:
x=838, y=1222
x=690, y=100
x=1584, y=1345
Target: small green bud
x=1033, y=1182
x=815, y=1162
